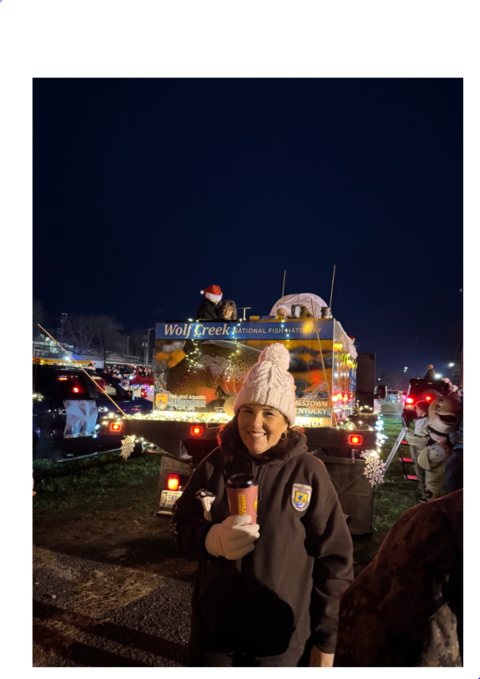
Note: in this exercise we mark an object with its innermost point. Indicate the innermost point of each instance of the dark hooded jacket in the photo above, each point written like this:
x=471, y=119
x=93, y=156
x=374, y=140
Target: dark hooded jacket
x=208, y=311
x=288, y=589
x=406, y=608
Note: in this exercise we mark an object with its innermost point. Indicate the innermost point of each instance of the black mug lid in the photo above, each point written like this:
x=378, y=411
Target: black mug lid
x=241, y=481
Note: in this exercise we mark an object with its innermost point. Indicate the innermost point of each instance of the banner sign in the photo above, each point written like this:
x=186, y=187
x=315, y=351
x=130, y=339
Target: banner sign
x=269, y=330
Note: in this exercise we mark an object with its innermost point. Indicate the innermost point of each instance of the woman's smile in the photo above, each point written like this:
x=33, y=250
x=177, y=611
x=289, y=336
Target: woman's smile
x=260, y=427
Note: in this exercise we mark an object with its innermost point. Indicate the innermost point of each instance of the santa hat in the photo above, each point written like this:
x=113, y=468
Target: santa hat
x=213, y=293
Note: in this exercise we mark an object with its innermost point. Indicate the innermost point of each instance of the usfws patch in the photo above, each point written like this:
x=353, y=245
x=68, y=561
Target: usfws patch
x=301, y=496
x=161, y=401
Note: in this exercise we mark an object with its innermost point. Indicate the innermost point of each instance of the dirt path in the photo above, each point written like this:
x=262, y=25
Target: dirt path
x=110, y=590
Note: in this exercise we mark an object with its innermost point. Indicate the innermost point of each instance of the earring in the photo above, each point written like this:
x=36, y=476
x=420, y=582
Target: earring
x=283, y=436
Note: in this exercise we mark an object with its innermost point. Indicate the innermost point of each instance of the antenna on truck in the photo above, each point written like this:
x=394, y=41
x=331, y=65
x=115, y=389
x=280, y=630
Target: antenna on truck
x=331, y=291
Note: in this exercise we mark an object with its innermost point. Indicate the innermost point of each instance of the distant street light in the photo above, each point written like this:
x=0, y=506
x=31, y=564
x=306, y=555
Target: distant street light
x=438, y=376
x=405, y=370
x=451, y=365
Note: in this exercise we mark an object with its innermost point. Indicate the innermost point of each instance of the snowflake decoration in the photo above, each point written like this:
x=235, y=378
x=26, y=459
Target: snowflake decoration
x=128, y=444
x=374, y=467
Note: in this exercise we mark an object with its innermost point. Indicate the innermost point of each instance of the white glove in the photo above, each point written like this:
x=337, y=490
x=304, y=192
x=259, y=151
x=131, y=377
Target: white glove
x=233, y=538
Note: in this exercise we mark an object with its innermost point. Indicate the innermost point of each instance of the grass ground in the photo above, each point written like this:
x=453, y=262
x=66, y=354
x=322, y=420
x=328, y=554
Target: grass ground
x=109, y=483
x=391, y=498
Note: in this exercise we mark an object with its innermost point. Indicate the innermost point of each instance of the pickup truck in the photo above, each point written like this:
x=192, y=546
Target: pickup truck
x=67, y=409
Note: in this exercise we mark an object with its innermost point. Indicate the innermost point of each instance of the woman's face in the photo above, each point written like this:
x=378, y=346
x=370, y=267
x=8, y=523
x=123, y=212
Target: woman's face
x=260, y=427
x=227, y=312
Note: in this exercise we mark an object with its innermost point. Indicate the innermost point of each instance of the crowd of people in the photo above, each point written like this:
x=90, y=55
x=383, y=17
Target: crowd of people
x=436, y=442
x=213, y=308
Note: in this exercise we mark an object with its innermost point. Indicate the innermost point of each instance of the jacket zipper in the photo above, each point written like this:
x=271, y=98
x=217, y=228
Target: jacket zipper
x=261, y=477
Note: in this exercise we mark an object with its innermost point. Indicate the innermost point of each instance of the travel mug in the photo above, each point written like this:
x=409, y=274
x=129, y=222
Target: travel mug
x=242, y=491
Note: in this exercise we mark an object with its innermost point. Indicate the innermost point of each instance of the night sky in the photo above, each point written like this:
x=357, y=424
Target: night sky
x=147, y=191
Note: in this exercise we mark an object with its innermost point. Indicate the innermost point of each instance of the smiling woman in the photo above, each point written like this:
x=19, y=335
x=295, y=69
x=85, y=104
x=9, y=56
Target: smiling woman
x=267, y=593
x=261, y=428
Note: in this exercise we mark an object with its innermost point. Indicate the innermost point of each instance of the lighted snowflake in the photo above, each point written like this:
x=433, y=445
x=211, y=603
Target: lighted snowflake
x=128, y=444
x=374, y=467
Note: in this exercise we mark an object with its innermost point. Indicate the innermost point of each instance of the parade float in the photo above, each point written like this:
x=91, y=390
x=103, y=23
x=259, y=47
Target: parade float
x=200, y=368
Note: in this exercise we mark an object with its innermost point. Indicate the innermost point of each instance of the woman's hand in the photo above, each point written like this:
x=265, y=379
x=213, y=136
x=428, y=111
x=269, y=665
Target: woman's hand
x=320, y=659
x=233, y=538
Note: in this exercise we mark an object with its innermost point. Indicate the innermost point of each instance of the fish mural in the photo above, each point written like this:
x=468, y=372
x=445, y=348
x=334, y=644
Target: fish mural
x=215, y=369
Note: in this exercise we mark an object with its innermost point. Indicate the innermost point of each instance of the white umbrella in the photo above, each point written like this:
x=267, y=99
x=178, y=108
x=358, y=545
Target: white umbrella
x=301, y=298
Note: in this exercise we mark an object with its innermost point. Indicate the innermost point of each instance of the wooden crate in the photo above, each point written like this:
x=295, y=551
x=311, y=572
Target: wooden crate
x=354, y=492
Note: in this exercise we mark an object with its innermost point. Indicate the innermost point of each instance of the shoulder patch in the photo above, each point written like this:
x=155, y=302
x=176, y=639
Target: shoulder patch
x=301, y=496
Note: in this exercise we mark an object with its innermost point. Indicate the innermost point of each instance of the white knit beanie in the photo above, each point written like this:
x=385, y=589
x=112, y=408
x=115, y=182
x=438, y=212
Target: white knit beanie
x=269, y=383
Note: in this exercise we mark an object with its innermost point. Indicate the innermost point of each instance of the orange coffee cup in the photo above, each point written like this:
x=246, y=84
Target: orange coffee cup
x=242, y=492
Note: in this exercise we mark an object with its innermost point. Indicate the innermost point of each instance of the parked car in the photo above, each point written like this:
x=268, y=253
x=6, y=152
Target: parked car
x=68, y=407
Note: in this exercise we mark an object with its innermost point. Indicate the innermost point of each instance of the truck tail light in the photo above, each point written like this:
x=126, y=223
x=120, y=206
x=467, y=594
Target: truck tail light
x=196, y=431
x=173, y=481
x=115, y=426
x=409, y=400
x=428, y=398
x=355, y=440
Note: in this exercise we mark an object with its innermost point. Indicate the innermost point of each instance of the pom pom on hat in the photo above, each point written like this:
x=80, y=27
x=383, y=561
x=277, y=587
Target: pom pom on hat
x=269, y=383
x=276, y=354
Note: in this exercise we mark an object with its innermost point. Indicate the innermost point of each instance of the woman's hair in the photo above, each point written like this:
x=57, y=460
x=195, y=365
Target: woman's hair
x=230, y=440
x=229, y=303
x=304, y=312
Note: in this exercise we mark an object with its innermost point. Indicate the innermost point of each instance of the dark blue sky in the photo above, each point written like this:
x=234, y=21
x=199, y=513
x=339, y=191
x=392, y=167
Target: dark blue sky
x=147, y=191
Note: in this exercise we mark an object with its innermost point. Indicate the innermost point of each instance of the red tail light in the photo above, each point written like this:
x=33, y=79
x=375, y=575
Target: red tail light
x=196, y=431
x=428, y=398
x=76, y=390
x=335, y=398
x=173, y=481
x=115, y=426
x=355, y=440
x=345, y=397
x=409, y=400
